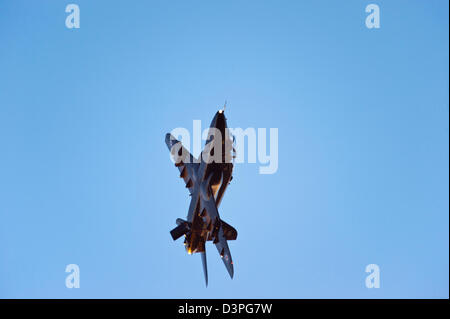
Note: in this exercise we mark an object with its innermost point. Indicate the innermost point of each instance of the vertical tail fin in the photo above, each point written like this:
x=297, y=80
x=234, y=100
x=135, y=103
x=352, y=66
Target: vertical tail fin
x=205, y=268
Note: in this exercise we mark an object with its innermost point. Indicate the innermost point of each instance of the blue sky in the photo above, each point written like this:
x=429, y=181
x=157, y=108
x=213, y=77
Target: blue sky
x=363, y=120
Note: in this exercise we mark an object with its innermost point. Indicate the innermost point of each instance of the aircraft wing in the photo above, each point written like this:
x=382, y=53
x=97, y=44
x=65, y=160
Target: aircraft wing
x=187, y=164
x=208, y=203
x=224, y=251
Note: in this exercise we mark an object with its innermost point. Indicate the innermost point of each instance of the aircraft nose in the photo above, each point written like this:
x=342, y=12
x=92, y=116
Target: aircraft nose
x=220, y=114
x=218, y=119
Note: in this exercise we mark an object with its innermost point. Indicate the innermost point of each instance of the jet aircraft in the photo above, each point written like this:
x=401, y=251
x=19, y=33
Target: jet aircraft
x=206, y=178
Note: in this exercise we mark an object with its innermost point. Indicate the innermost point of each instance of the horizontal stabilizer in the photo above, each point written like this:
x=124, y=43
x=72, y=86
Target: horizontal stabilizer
x=179, y=231
x=229, y=232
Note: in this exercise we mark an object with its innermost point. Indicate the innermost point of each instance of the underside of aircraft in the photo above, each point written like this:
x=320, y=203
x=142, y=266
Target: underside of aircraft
x=206, y=178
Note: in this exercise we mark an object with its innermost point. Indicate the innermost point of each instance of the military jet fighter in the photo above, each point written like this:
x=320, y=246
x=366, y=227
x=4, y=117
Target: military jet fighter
x=206, y=179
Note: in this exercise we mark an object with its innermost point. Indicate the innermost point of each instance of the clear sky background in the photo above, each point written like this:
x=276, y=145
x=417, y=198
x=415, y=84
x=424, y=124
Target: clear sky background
x=363, y=119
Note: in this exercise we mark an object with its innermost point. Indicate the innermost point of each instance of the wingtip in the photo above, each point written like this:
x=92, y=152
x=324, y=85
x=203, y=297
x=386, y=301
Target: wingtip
x=231, y=272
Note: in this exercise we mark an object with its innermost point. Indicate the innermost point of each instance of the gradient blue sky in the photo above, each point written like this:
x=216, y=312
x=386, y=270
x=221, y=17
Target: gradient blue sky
x=363, y=119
